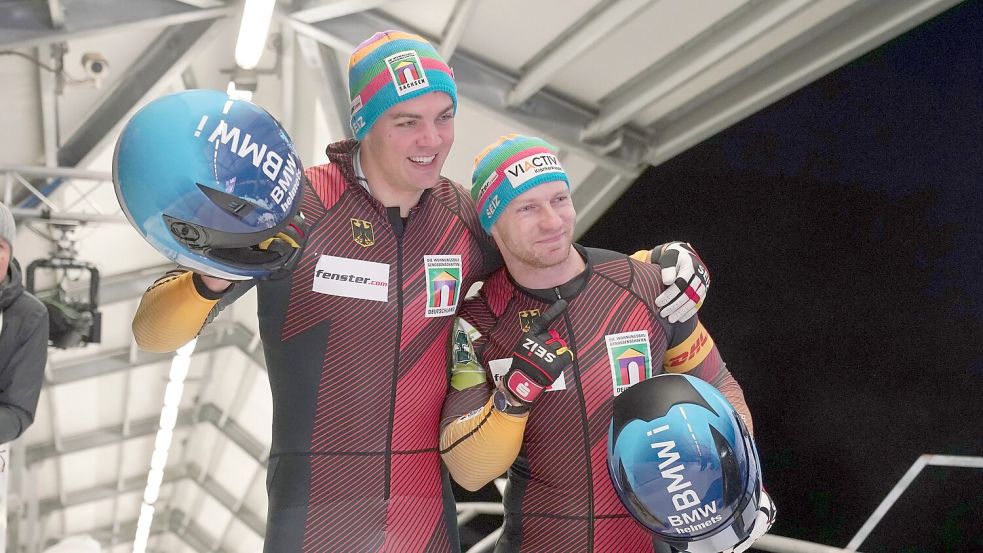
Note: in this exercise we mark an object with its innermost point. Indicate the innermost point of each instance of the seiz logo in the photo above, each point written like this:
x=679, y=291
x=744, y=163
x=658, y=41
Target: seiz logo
x=493, y=204
x=539, y=351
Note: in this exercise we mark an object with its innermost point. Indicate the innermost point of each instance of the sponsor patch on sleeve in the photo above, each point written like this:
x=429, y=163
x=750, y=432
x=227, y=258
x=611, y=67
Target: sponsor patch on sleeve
x=690, y=353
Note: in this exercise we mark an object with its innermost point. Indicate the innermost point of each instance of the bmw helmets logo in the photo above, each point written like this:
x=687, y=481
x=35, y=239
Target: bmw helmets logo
x=683, y=463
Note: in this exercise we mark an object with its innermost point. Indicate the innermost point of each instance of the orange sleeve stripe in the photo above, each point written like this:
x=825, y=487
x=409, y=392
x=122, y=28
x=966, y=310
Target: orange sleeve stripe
x=480, y=446
x=690, y=353
x=645, y=256
x=171, y=313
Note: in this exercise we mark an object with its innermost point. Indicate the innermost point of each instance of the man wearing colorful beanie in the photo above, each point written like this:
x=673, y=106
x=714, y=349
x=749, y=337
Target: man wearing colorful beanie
x=23, y=340
x=356, y=337
x=542, y=409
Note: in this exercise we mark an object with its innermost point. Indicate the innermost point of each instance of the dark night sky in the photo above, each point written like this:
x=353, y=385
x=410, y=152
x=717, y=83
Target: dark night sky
x=842, y=226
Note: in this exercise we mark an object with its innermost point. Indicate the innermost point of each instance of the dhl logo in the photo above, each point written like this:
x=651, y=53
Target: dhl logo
x=692, y=354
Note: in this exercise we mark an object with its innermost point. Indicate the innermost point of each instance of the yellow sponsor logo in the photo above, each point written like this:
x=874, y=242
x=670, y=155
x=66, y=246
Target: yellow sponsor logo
x=690, y=353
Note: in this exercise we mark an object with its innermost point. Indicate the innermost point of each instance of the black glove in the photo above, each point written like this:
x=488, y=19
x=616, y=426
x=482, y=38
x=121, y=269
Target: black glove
x=279, y=253
x=687, y=279
x=538, y=359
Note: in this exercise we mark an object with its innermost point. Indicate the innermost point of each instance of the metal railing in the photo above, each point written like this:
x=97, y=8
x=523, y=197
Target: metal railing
x=905, y=481
x=466, y=511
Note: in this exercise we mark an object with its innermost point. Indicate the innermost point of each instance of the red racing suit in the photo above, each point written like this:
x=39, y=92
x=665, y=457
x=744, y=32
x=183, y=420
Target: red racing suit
x=559, y=496
x=356, y=342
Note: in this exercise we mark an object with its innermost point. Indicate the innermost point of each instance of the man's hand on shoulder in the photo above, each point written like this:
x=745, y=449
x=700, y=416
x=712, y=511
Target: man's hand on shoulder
x=687, y=279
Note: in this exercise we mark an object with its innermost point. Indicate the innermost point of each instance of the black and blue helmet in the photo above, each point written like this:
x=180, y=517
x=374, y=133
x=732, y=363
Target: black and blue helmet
x=683, y=463
x=205, y=178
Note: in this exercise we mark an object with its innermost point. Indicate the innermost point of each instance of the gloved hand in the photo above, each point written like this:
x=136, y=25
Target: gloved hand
x=538, y=359
x=763, y=520
x=687, y=279
x=280, y=253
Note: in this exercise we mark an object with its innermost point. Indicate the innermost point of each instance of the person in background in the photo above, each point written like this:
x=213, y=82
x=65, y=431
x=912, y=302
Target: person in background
x=23, y=340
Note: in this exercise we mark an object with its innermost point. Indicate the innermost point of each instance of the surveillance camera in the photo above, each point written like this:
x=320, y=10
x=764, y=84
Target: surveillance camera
x=95, y=65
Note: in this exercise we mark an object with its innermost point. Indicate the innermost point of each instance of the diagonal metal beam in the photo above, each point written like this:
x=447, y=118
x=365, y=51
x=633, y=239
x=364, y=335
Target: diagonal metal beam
x=108, y=489
x=173, y=475
x=127, y=530
x=589, y=192
x=238, y=508
x=319, y=10
x=702, y=52
x=197, y=538
x=582, y=35
x=118, y=359
x=106, y=435
x=234, y=431
x=112, y=434
x=252, y=520
x=203, y=3
x=456, y=25
x=129, y=285
x=169, y=54
x=25, y=25
x=56, y=13
x=486, y=86
x=194, y=534
x=835, y=45
x=332, y=92
x=214, y=453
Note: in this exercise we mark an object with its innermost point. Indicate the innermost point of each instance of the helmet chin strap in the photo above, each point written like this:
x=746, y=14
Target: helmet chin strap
x=289, y=245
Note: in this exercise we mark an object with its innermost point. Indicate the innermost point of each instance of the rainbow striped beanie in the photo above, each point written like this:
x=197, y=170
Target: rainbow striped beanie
x=392, y=67
x=507, y=168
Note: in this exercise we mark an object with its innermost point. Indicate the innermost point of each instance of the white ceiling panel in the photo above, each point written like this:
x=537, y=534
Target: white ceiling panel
x=652, y=35
x=430, y=17
x=235, y=470
x=212, y=514
x=510, y=33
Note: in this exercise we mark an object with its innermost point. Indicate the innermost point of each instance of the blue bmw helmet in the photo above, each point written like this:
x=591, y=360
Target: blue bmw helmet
x=205, y=178
x=683, y=463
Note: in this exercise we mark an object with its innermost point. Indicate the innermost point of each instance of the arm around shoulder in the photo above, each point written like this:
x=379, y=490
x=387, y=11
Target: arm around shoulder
x=481, y=445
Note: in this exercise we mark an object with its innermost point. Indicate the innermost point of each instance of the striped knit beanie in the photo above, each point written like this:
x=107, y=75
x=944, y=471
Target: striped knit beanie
x=392, y=67
x=507, y=168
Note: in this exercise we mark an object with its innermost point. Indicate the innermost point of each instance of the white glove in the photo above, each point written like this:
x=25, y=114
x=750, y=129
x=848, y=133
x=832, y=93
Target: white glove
x=763, y=520
x=687, y=279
